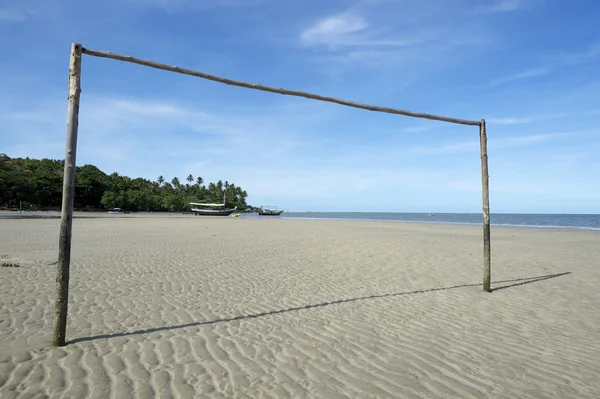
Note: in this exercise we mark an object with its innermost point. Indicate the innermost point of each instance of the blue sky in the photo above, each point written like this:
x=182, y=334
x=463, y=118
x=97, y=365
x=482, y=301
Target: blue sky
x=529, y=67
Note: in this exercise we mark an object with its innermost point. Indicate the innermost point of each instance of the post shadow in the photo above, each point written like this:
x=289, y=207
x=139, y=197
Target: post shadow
x=529, y=281
x=517, y=282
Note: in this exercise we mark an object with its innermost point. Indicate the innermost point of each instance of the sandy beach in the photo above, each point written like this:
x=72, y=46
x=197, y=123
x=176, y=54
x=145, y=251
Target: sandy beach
x=192, y=307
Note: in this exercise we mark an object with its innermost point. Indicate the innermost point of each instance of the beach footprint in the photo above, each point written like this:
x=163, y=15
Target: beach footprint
x=7, y=261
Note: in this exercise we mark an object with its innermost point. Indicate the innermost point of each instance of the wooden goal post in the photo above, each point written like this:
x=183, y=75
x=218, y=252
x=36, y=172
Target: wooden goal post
x=66, y=223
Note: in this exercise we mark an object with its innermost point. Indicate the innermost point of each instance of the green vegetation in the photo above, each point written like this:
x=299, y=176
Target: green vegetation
x=38, y=184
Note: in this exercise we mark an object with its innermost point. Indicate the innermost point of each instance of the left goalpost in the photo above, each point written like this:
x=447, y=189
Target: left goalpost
x=66, y=223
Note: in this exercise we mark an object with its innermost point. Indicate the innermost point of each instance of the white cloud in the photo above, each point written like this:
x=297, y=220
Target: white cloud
x=273, y=153
x=366, y=35
x=493, y=143
x=335, y=30
x=529, y=73
x=505, y=6
x=205, y=130
x=523, y=120
x=417, y=129
x=447, y=148
x=555, y=61
x=509, y=121
x=311, y=182
x=349, y=29
x=136, y=136
x=590, y=54
x=178, y=5
x=13, y=14
x=533, y=138
x=525, y=186
x=25, y=10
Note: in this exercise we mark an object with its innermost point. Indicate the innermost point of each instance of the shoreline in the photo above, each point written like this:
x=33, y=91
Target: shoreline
x=8, y=215
x=577, y=228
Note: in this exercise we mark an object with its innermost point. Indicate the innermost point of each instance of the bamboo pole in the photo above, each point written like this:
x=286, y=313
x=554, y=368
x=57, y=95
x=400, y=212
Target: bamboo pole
x=256, y=86
x=485, y=185
x=66, y=217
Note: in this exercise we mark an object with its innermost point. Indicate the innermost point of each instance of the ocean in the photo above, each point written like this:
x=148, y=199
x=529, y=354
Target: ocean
x=558, y=221
x=566, y=221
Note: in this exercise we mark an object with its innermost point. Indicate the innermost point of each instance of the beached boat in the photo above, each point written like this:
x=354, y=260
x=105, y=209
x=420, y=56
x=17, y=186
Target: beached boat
x=118, y=211
x=212, y=212
x=265, y=211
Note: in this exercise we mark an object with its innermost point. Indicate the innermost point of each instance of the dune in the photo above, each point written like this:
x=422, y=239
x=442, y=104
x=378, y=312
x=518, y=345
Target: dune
x=191, y=307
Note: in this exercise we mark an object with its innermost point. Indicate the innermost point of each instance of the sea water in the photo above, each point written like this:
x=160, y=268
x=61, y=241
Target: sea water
x=567, y=221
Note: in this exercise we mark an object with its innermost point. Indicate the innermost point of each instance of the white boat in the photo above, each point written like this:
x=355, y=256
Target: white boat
x=212, y=212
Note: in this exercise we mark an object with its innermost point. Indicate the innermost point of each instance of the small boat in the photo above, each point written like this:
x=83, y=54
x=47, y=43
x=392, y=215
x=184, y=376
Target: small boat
x=262, y=211
x=212, y=212
x=118, y=211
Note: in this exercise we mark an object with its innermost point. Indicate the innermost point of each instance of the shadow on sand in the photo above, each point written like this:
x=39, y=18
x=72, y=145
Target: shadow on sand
x=516, y=283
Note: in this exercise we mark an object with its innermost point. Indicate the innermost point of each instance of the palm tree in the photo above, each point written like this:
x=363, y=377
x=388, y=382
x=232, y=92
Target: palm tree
x=190, y=178
x=160, y=180
x=199, y=180
x=175, y=182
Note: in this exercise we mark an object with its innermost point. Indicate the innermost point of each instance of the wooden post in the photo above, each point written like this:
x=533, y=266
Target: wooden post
x=485, y=185
x=66, y=217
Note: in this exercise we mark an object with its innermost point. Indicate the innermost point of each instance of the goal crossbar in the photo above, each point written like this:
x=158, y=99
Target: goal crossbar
x=256, y=86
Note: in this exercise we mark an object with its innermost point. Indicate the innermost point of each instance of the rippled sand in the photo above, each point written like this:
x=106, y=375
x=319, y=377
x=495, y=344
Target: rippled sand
x=194, y=307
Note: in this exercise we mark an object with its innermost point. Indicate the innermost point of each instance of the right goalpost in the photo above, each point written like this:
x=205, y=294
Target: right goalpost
x=64, y=250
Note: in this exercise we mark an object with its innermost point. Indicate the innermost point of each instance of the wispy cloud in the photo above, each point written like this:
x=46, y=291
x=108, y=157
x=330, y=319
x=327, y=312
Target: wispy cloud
x=335, y=30
x=527, y=186
x=286, y=184
x=364, y=35
x=349, y=29
x=529, y=73
x=555, y=61
x=502, y=6
x=21, y=10
x=214, y=132
x=417, y=129
x=525, y=119
x=180, y=5
x=148, y=130
x=522, y=140
x=590, y=54
x=13, y=14
x=447, y=148
x=278, y=156
x=493, y=143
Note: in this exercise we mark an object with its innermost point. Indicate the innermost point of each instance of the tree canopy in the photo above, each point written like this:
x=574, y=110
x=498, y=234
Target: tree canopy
x=37, y=183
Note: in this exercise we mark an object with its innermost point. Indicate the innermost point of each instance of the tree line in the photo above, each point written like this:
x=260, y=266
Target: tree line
x=37, y=184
